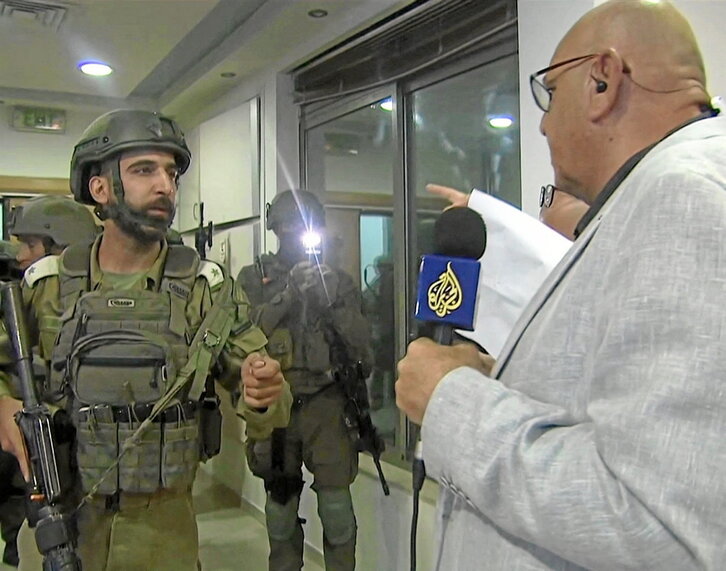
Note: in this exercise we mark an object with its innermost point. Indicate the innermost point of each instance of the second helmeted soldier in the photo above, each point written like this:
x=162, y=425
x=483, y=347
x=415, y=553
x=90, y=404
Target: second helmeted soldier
x=312, y=316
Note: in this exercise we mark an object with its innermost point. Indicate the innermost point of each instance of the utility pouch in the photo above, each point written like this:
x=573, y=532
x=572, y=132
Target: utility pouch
x=210, y=427
x=120, y=367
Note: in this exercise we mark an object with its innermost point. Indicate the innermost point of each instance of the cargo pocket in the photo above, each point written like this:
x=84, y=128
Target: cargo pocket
x=179, y=454
x=97, y=449
x=139, y=469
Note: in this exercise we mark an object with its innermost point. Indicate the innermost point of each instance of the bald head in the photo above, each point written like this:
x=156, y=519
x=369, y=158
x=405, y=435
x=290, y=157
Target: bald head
x=636, y=75
x=654, y=40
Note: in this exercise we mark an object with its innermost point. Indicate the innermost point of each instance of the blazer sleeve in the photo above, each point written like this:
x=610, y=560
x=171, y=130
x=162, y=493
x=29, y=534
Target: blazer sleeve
x=639, y=482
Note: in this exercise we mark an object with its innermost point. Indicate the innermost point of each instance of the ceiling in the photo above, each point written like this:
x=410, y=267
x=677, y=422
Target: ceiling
x=167, y=54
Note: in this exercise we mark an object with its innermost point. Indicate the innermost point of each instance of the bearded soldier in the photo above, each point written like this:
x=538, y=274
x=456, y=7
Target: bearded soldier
x=136, y=330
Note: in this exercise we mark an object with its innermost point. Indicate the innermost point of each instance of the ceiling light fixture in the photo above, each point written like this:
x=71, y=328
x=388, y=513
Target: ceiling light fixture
x=95, y=68
x=500, y=121
x=387, y=104
x=318, y=13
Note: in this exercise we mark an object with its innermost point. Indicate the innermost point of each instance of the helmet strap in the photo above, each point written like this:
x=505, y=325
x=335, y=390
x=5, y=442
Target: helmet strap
x=144, y=228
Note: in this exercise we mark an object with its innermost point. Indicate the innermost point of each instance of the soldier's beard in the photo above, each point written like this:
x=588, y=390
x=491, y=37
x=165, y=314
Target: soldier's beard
x=139, y=224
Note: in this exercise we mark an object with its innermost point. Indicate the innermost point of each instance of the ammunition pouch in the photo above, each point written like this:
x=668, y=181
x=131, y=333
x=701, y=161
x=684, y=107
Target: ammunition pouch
x=164, y=456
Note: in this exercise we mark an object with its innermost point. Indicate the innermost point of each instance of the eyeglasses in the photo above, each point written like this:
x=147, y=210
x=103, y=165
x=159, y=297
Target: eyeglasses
x=543, y=94
x=546, y=195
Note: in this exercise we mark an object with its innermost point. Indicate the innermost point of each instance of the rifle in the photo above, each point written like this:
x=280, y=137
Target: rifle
x=352, y=380
x=203, y=236
x=54, y=533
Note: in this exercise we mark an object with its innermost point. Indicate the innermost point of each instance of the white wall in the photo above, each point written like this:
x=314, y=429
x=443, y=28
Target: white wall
x=40, y=155
x=542, y=23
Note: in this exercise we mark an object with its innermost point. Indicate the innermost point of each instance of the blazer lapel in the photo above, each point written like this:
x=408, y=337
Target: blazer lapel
x=543, y=293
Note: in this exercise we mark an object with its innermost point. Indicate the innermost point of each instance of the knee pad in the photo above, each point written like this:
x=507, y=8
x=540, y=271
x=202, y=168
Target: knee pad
x=335, y=508
x=281, y=518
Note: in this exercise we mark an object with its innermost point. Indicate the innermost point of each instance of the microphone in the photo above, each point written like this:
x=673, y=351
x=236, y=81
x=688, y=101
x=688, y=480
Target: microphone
x=448, y=278
x=447, y=288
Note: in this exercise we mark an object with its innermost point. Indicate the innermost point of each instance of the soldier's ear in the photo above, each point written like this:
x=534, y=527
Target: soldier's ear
x=100, y=189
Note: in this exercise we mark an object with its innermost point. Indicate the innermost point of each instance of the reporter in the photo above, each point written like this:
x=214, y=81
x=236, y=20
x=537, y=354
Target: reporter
x=596, y=440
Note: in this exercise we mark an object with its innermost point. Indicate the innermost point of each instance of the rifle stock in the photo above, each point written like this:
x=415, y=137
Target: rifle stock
x=53, y=530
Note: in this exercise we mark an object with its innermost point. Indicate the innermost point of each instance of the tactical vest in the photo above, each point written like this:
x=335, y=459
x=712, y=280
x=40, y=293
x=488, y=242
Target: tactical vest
x=300, y=342
x=117, y=353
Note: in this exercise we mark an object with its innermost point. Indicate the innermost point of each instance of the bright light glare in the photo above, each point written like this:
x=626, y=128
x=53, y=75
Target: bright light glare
x=500, y=121
x=387, y=104
x=95, y=68
x=311, y=241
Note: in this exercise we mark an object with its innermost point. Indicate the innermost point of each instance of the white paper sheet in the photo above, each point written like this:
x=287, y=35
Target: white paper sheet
x=520, y=252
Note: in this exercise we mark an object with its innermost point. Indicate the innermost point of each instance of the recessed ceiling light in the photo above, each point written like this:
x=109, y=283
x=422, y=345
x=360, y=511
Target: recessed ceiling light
x=318, y=13
x=95, y=68
x=227, y=74
x=387, y=104
x=500, y=121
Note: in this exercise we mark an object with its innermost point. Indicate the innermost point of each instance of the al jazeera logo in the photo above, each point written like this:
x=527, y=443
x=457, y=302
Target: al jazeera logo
x=445, y=295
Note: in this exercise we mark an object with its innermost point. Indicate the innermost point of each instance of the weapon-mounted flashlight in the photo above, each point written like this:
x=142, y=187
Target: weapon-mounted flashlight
x=312, y=241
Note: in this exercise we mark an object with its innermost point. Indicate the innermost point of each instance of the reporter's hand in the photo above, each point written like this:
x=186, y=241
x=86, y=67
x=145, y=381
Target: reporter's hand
x=11, y=440
x=262, y=381
x=455, y=197
x=422, y=369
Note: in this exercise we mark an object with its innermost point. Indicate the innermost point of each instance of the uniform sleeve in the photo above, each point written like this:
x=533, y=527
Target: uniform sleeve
x=261, y=423
x=346, y=318
x=246, y=338
x=638, y=482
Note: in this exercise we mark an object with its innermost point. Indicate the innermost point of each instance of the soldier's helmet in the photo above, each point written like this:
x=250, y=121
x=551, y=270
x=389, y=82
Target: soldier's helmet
x=56, y=217
x=293, y=206
x=119, y=131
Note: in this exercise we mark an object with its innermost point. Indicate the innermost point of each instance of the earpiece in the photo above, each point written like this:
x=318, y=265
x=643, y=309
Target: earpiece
x=601, y=86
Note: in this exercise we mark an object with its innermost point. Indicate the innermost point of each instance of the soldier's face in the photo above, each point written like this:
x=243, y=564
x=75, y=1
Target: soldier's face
x=150, y=183
x=147, y=207
x=31, y=250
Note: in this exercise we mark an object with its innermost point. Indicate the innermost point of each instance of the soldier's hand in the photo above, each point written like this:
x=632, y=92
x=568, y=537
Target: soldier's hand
x=302, y=277
x=11, y=440
x=315, y=282
x=262, y=381
x=422, y=369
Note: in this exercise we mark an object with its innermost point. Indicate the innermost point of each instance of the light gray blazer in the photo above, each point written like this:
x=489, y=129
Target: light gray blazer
x=602, y=443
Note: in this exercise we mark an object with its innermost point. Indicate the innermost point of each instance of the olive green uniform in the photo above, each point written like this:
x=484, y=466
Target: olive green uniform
x=306, y=338
x=145, y=530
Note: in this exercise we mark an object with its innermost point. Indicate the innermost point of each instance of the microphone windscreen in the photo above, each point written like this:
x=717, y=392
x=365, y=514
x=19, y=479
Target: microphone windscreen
x=460, y=232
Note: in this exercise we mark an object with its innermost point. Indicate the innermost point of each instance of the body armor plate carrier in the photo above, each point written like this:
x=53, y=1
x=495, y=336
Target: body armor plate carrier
x=116, y=354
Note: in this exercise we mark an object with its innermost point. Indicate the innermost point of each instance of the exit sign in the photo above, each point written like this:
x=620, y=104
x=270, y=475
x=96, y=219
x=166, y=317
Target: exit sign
x=38, y=119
